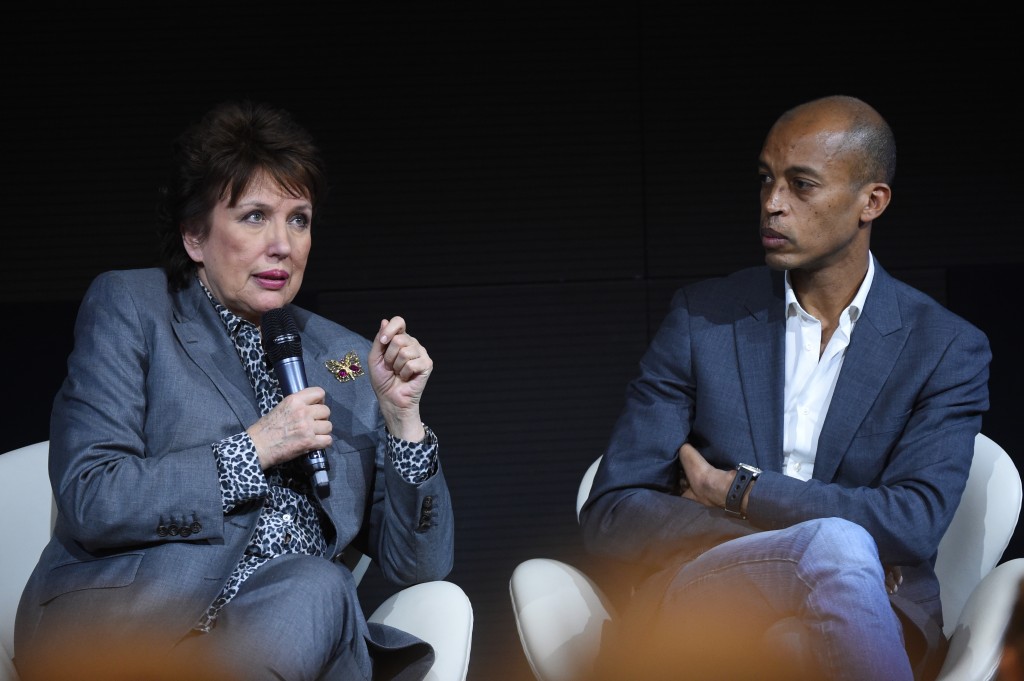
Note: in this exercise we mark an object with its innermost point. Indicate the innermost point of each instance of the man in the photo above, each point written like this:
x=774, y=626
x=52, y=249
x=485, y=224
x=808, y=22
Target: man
x=796, y=442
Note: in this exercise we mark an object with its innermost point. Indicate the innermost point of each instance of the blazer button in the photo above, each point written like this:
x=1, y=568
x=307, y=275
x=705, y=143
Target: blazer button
x=173, y=530
x=428, y=503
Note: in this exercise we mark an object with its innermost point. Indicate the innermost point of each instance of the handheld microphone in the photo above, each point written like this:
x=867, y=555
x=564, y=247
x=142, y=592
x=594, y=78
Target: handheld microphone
x=284, y=350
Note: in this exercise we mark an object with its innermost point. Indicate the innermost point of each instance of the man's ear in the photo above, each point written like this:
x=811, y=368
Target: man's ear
x=879, y=195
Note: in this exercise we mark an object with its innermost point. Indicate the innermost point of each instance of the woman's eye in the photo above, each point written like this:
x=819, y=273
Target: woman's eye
x=300, y=220
x=254, y=216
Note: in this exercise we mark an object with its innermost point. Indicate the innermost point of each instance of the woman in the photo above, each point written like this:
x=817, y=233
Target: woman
x=189, y=542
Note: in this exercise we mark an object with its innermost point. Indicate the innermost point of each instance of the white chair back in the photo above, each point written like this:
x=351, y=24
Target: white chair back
x=28, y=512
x=585, y=485
x=981, y=528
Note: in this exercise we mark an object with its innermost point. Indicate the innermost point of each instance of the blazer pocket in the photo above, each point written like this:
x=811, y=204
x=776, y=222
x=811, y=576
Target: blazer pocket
x=102, y=573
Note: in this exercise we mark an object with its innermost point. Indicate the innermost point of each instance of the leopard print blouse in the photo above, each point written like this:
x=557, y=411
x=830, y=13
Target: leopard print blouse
x=291, y=519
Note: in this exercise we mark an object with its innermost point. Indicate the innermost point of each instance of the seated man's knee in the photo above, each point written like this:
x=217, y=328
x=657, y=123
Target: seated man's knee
x=843, y=541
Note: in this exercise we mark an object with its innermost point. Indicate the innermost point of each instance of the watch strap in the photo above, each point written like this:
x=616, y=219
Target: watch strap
x=745, y=475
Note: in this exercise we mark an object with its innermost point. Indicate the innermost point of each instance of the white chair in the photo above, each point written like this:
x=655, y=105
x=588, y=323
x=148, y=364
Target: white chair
x=437, y=612
x=560, y=611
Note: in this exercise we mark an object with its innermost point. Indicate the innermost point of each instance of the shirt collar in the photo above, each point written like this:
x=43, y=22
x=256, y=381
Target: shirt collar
x=856, y=305
x=232, y=322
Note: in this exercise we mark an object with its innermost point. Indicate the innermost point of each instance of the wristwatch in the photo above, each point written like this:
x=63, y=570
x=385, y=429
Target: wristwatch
x=745, y=476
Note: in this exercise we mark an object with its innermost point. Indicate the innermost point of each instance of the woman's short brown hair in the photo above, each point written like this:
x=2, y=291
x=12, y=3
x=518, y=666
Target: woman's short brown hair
x=218, y=157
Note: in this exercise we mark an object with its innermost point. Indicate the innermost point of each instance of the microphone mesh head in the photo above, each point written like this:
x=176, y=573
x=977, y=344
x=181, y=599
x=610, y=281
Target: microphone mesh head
x=280, y=335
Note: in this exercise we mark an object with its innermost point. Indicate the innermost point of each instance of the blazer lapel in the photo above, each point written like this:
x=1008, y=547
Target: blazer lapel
x=875, y=346
x=203, y=337
x=760, y=337
x=314, y=354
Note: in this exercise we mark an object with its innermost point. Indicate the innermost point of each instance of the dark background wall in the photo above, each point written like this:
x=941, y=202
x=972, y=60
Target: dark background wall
x=525, y=184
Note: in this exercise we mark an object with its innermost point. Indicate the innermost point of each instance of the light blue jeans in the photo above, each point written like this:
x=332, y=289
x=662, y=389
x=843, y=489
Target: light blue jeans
x=806, y=602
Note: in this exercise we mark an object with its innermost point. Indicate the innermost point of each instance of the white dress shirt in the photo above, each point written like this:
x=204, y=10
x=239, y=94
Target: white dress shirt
x=810, y=379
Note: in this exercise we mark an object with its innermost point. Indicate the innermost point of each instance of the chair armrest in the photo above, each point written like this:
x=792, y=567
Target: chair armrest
x=7, y=671
x=977, y=642
x=560, y=614
x=439, y=613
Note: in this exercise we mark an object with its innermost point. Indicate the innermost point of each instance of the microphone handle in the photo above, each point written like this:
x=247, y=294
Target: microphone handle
x=292, y=377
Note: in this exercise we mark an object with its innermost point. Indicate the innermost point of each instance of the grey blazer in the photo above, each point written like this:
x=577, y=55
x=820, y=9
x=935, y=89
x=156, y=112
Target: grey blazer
x=894, y=450
x=152, y=382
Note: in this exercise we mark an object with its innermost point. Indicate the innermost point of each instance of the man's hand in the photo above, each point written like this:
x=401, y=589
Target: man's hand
x=704, y=483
